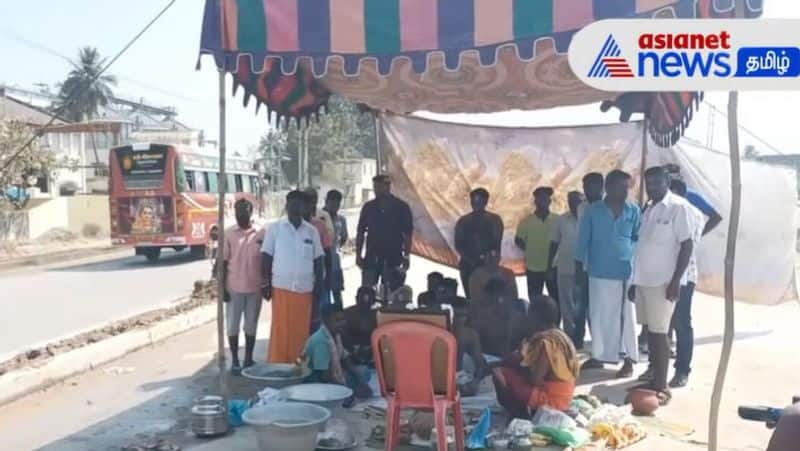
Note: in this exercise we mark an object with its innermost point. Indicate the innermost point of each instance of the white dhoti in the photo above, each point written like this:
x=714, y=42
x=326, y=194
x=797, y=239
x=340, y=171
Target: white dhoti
x=612, y=321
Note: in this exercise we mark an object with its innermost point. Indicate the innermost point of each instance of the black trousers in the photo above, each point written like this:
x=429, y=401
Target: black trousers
x=538, y=280
x=465, y=270
x=581, y=308
x=383, y=270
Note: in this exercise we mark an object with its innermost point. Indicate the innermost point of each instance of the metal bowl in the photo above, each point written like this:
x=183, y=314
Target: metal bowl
x=276, y=375
x=287, y=426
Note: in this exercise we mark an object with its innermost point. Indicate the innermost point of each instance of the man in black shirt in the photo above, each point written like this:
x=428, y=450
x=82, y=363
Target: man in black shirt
x=476, y=234
x=388, y=225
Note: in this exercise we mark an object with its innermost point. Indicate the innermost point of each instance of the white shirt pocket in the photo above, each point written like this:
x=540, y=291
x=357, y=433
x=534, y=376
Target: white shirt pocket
x=308, y=250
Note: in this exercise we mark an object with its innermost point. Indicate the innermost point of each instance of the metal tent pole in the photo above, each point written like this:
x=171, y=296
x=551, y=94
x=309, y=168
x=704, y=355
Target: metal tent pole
x=223, y=386
x=378, y=129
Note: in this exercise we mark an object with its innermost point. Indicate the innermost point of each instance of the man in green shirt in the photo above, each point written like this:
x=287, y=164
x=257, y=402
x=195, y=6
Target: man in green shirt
x=533, y=237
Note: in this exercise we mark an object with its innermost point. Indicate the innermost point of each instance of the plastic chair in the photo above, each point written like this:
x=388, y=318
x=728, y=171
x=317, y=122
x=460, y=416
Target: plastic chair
x=409, y=344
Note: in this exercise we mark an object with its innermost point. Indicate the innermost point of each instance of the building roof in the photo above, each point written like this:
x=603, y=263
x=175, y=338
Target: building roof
x=14, y=109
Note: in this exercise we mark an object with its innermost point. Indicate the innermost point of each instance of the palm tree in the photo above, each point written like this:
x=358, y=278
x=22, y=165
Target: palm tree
x=83, y=92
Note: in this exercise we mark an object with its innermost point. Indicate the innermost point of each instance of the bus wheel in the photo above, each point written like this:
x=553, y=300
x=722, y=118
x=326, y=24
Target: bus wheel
x=152, y=254
x=199, y=252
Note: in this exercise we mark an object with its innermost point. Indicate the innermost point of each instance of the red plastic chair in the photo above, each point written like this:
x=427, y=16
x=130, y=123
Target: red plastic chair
x=409, y=344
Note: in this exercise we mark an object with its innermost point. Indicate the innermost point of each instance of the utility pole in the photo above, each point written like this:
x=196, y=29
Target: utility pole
x=306, y=177
x=299, y=158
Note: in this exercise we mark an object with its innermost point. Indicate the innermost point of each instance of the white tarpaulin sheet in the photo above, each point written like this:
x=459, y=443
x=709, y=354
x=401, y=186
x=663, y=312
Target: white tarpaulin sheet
x=434, y=166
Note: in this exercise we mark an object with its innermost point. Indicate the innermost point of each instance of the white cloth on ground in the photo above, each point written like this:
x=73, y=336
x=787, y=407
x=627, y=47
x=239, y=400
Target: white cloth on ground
x=612, y=321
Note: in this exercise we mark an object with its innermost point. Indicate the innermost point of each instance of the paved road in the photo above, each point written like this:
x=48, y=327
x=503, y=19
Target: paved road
x=46, y=304
x=43, y=305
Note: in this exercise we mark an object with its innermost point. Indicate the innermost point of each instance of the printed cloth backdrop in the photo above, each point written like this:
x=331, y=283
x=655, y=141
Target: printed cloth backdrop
x=434, y=166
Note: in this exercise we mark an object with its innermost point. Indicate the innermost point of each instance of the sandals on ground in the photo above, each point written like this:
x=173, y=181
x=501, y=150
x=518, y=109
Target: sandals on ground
x=664, y=397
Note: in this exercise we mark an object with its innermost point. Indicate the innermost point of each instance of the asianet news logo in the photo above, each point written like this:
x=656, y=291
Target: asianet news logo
x=678, y=55
x=668, y=55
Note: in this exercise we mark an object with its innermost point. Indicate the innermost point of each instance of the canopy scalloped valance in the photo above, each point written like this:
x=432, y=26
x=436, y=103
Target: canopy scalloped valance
x=444, y=56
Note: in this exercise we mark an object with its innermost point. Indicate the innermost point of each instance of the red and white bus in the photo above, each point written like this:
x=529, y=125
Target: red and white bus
x=165, y=196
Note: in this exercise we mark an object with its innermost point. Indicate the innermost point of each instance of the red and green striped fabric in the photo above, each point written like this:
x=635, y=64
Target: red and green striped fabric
x=391, y=27
x=263, y=41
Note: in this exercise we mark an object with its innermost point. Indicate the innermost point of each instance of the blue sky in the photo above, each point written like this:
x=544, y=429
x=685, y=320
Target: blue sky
x=161, y=69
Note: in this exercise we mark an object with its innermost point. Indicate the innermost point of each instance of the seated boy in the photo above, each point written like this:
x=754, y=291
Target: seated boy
x=469, y=344
x=328, y=359
x=495, y=316
x=401, y=298
x=427, y=298
x=543, y=372
x=360, y=322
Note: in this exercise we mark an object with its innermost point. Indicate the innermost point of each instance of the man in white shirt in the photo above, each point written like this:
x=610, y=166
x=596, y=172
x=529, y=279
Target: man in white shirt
x=293, y=276
x=562, y=250
x=663, y=253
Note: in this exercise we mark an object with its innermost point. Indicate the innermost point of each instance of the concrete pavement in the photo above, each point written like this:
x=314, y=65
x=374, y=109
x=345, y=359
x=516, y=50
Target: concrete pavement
x=147, y=394
x=50, y=303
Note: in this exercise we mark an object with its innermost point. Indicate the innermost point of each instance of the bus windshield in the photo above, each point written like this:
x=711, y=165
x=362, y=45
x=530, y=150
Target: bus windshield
x=142, y=169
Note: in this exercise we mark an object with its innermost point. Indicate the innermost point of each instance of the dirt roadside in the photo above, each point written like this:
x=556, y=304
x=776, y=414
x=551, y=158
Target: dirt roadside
x=55, y=246
x=204, y=292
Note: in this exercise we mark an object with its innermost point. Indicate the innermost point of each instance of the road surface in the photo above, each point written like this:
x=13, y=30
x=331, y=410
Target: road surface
x=45, y=304
x=42, y=305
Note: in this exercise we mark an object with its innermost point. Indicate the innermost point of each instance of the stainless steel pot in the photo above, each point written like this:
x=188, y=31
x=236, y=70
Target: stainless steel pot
x=210, y=416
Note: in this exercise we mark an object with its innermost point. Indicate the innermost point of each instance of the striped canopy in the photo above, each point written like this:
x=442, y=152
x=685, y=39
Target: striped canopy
x=437, y=55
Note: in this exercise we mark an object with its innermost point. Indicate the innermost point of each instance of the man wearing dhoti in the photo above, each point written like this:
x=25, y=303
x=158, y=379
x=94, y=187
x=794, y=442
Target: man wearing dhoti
x=292, y=278
x=606, y=239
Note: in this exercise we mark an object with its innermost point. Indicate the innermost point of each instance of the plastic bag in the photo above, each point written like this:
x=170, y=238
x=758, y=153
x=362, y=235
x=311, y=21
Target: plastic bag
x=553, y=418
x=267, y=396
x=519, y=428
x=477, y=438
x=236, y=408
x=572, y=436
x=611, y=414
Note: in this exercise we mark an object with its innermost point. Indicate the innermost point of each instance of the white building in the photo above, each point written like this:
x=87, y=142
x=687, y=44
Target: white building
x=87, y=144
x=351, y=176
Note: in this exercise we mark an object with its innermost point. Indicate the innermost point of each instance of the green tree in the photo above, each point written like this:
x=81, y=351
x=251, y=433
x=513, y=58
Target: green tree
x=273, y=149
x=24, y=168
x=83, y=92
x=343, y=131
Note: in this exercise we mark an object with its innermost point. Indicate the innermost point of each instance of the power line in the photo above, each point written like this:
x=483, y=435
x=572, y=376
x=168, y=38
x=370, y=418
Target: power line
x=758, y=138
x=165, y=92
x=72, y=95
x=12, y=35
x=16, y=37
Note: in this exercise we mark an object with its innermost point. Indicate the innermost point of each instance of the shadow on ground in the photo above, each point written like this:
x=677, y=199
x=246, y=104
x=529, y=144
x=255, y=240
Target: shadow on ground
x=165, y=416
